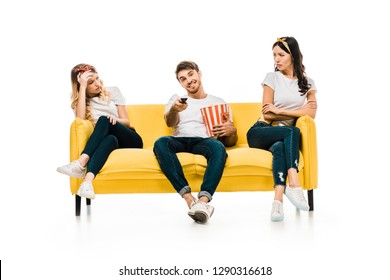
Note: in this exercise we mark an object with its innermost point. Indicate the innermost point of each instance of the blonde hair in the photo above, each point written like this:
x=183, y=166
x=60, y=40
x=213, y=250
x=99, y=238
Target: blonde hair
x=104, y=95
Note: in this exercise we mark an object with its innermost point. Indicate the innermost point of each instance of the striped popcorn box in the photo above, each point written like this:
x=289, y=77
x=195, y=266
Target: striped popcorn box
x=214, y=115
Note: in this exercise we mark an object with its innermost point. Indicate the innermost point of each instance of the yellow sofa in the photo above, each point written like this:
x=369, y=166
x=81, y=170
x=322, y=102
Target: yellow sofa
x=137, y=170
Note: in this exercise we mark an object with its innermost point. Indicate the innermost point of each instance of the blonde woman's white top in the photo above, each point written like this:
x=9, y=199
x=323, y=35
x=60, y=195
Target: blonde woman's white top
x=100, y=106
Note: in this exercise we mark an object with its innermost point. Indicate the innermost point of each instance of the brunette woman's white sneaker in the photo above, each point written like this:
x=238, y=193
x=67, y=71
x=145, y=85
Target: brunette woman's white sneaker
x=297, y=198
x=73, y=169
x=86, y=190
x=277, y=214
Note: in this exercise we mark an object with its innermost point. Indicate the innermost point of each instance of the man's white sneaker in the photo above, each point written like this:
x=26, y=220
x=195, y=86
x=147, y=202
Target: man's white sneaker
x=86, y=190
x=277, y=214
x=192, y=204
x=201, y=212
x=297, y=198
x=73, y=169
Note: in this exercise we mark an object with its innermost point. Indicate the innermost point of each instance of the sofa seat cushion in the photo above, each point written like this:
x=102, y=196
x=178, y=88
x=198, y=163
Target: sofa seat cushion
x=129, y=164
x=249, y=162
x=137, y=170
x=123, y=164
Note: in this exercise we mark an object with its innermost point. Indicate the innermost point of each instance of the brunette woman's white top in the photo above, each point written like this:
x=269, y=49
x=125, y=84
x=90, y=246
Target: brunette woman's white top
x=286, y=93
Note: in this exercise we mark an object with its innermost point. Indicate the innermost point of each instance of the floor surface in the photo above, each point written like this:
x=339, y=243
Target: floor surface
x=340, y=238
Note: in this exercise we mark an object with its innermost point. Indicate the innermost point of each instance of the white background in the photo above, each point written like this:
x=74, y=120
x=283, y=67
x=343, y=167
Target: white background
x=136, y=46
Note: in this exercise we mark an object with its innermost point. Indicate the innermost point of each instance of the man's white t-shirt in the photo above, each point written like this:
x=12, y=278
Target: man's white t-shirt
x=191, y=123
x=100, y=107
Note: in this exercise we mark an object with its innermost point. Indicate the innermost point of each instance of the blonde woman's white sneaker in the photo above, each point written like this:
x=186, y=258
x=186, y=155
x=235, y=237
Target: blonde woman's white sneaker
x=297, y=198
x=86, y=190
x=73, y=169
x=277, y=214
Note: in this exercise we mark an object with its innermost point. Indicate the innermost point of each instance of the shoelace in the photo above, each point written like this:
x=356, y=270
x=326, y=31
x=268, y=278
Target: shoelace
x=276, y=207
x=299, y=194
x=87, y=186
x=76, y=164
x=206, y=206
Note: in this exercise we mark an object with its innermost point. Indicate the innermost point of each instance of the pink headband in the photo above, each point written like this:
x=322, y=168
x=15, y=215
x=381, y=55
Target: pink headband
x=85, y=68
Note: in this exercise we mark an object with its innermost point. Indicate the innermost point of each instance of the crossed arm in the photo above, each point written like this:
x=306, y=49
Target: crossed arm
x=273, y=113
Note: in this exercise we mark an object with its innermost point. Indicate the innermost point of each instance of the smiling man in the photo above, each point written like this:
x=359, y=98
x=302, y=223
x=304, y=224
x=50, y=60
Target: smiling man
x=183, y=114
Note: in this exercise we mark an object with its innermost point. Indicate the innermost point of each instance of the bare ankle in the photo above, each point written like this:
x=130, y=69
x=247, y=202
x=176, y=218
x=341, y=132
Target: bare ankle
x=204, y=199
x=89, y=177
x=189, y=198
x=83, y=160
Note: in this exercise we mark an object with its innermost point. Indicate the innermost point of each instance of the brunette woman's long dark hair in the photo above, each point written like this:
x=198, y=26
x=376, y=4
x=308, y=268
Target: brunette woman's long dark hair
x=296, y=55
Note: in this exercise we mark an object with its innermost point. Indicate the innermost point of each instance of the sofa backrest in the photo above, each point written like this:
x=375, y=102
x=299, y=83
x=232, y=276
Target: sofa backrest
x=148, y=120
x=244, y=116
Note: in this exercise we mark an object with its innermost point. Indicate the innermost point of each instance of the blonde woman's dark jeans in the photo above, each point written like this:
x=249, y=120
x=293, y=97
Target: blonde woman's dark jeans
x=105, y=138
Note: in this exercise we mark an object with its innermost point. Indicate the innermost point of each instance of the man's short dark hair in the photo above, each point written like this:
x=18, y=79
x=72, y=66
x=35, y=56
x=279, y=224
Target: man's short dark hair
x=184, y=65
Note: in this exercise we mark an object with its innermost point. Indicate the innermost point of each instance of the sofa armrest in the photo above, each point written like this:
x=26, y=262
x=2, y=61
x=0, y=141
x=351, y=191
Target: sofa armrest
x=308, y=148
x=80, y=131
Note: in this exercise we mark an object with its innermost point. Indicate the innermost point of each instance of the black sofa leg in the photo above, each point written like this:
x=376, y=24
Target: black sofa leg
x=77, y=204
x=310, y=197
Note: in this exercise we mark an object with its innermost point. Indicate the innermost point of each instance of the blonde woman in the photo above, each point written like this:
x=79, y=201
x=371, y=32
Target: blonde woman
x=105, y=108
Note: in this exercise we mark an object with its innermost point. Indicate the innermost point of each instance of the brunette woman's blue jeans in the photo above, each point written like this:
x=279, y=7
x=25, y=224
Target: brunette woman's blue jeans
x=105, y=138
x=165, y=149
x=282, y=141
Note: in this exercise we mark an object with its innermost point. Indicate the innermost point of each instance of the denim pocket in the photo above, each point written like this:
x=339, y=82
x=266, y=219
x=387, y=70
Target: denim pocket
x=261, y=123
